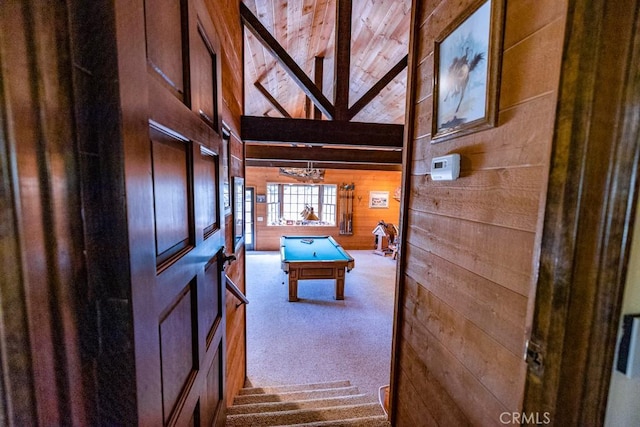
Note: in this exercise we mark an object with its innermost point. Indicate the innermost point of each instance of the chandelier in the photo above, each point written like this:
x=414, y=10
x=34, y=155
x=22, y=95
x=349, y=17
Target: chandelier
x=308, y=174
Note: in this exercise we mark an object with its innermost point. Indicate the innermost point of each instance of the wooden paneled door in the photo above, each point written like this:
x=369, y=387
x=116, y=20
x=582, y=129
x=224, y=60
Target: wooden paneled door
x=169, y=92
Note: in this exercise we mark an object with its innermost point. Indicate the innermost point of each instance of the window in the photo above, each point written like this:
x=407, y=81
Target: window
x=285, y=202
x=273, y=203
x=329, y=204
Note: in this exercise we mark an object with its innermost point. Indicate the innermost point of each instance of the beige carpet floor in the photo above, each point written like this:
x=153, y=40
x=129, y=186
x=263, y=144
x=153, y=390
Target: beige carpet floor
x=318, y=338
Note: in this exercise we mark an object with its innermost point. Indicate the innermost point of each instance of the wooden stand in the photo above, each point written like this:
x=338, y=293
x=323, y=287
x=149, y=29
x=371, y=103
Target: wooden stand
x=304, y=271
x=379, y=248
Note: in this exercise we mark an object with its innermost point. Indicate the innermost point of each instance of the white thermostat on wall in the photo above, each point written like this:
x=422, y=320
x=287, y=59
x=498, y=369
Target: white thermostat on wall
x=445, y=168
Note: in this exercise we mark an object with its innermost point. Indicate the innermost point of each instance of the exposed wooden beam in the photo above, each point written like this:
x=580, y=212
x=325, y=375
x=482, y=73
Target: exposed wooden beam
x=319, y=154
x=376, y=88
x=342, y=62
x=322, y=165
x=318, y=76
x=324, y=132
x=272, y=100
x=271, y=44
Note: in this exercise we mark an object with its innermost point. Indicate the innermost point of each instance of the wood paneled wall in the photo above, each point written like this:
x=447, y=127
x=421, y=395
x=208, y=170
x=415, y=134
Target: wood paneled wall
x=365, y=219
x=472, y=245
x=226, y=18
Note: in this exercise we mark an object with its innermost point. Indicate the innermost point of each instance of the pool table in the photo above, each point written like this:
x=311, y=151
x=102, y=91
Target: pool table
x=314, y=257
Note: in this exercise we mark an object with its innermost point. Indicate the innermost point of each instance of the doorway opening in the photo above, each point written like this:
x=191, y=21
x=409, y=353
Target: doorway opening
x=320, y=339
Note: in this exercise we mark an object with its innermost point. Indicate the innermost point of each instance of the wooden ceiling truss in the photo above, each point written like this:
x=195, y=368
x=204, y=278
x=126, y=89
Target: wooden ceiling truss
x=383, y=142
x=272, y=100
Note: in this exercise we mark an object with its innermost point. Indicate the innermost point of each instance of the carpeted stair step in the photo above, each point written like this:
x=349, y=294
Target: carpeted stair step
x=376, y=421
x=293, y=387
x=296, y=395
x=301, y=416
x=299, y=404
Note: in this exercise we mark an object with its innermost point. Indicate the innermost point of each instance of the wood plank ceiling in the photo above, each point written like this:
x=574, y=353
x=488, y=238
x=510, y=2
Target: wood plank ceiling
x=363, y=83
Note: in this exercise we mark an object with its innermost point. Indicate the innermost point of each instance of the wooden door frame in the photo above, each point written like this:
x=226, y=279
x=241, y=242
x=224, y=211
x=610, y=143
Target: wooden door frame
x=589, y=214
x=253, y=218
x=43, y=281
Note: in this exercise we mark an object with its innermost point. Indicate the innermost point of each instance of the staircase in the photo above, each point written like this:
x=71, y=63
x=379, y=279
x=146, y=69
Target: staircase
x=335, y=403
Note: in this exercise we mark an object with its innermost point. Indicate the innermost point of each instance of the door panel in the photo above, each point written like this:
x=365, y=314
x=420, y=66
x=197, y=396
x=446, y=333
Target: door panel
x=171, y=194
x=209, y=192
x=164, y=35
x=212, y=300
x=178, y=339
x=176, y=236
x=204, y=78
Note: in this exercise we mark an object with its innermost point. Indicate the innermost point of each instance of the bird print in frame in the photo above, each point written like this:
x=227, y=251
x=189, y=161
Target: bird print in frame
x=466, y=72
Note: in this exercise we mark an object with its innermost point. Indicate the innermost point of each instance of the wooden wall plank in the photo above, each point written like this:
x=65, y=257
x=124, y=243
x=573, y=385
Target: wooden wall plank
x=505, y=197
x=532, y=67
x=474, y=246
x=524, y=20
x=432, y=395
x=485, y=358
x=424, y=83
x=226, y=20
x=477, y=403
x=493, y=308
x=471, y=247
x=422, y=123
x=411, y=399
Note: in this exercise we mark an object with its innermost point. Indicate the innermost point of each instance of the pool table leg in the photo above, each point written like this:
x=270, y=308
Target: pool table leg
x=293, y=285
x=339, y=274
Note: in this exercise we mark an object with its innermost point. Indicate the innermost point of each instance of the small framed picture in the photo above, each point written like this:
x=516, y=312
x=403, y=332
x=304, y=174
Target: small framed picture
x=378, y=199
x=261, y=198
x=467, y=59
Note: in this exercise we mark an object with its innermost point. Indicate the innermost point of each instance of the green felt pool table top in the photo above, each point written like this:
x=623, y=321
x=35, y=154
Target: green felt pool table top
x=303, y=248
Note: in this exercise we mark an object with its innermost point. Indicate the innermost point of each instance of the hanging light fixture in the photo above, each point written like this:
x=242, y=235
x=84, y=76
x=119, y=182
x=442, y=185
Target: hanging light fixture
x=308, y=174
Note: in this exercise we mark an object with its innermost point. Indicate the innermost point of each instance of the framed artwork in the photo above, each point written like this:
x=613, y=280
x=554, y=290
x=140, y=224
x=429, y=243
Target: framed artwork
x=261, y=198
x=226, y=190
x=378, y=199
x=467, y=59
x=238, y=210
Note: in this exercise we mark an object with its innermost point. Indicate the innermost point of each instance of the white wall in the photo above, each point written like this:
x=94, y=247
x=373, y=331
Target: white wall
x=623, y=408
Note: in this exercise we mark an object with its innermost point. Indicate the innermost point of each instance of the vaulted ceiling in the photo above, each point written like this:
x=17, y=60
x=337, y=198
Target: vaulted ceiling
x=291, y=63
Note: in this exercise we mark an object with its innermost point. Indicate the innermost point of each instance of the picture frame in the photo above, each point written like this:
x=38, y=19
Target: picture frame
x=238, y=210
x=378, y=199
x=226, y=181
x=467, y=63
x=261, y=198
